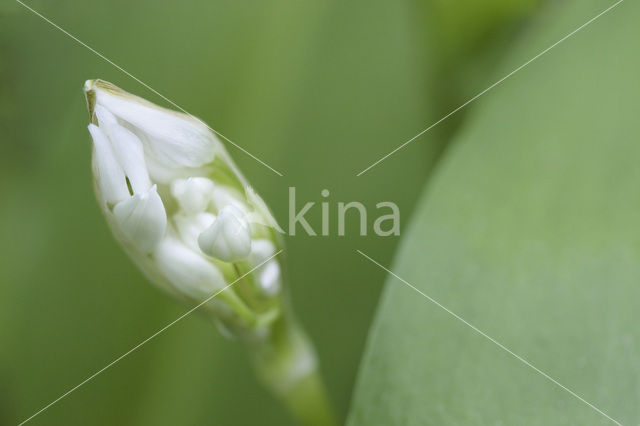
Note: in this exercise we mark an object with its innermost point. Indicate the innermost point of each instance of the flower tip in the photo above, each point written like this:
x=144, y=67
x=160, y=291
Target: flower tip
x=88, y=85
x=91, y=89
x=90, y=97
x=97, y=84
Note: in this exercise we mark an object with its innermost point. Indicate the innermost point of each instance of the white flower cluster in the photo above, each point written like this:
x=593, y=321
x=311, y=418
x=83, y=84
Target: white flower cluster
x=173, y=197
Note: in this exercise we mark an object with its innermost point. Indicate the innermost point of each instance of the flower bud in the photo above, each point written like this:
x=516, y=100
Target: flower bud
x=189, y=220
x=228, y=238
x=188, y=272
x=193, y=194
x=142, y=218
x=182, y=210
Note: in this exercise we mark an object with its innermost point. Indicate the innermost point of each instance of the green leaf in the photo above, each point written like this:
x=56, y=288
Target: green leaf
x=529, y=231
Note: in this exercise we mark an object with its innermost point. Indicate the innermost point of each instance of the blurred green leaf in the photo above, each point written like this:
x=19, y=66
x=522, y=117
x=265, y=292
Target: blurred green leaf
x=467, y=40
x=460, y=28
x=528, y=230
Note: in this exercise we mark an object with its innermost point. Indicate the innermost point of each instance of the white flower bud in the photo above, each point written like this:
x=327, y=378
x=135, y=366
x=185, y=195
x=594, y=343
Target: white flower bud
x=156, y=174
x=193, y=194
x=190, y=227
x=188, y=271
x=185, y=214
x=228, y=238
x=142, y=219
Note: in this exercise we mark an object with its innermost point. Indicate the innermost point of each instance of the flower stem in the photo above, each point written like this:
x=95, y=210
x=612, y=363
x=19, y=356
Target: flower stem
x=287, y=365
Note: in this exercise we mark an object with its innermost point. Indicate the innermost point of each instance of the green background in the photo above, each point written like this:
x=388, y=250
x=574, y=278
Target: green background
x=318, y=90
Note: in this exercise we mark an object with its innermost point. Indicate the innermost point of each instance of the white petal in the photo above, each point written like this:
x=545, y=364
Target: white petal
x=229, y=238
x=163, y=175
x=193, y=194
x=142, y=218
x=223, y=196
x=107, y=172
x=188, y=271
x=191, y=226
x=127, y=148
x=173, y=139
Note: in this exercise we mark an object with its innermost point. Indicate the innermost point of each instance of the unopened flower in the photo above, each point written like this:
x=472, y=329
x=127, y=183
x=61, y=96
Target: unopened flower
x=228, y=238
x=187, y=217
x=178, y=204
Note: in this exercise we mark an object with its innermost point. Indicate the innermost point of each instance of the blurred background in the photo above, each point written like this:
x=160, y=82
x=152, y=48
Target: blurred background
x=319, y=90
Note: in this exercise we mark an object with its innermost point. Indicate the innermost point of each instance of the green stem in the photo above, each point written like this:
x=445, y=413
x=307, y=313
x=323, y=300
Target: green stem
x=286, y=363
